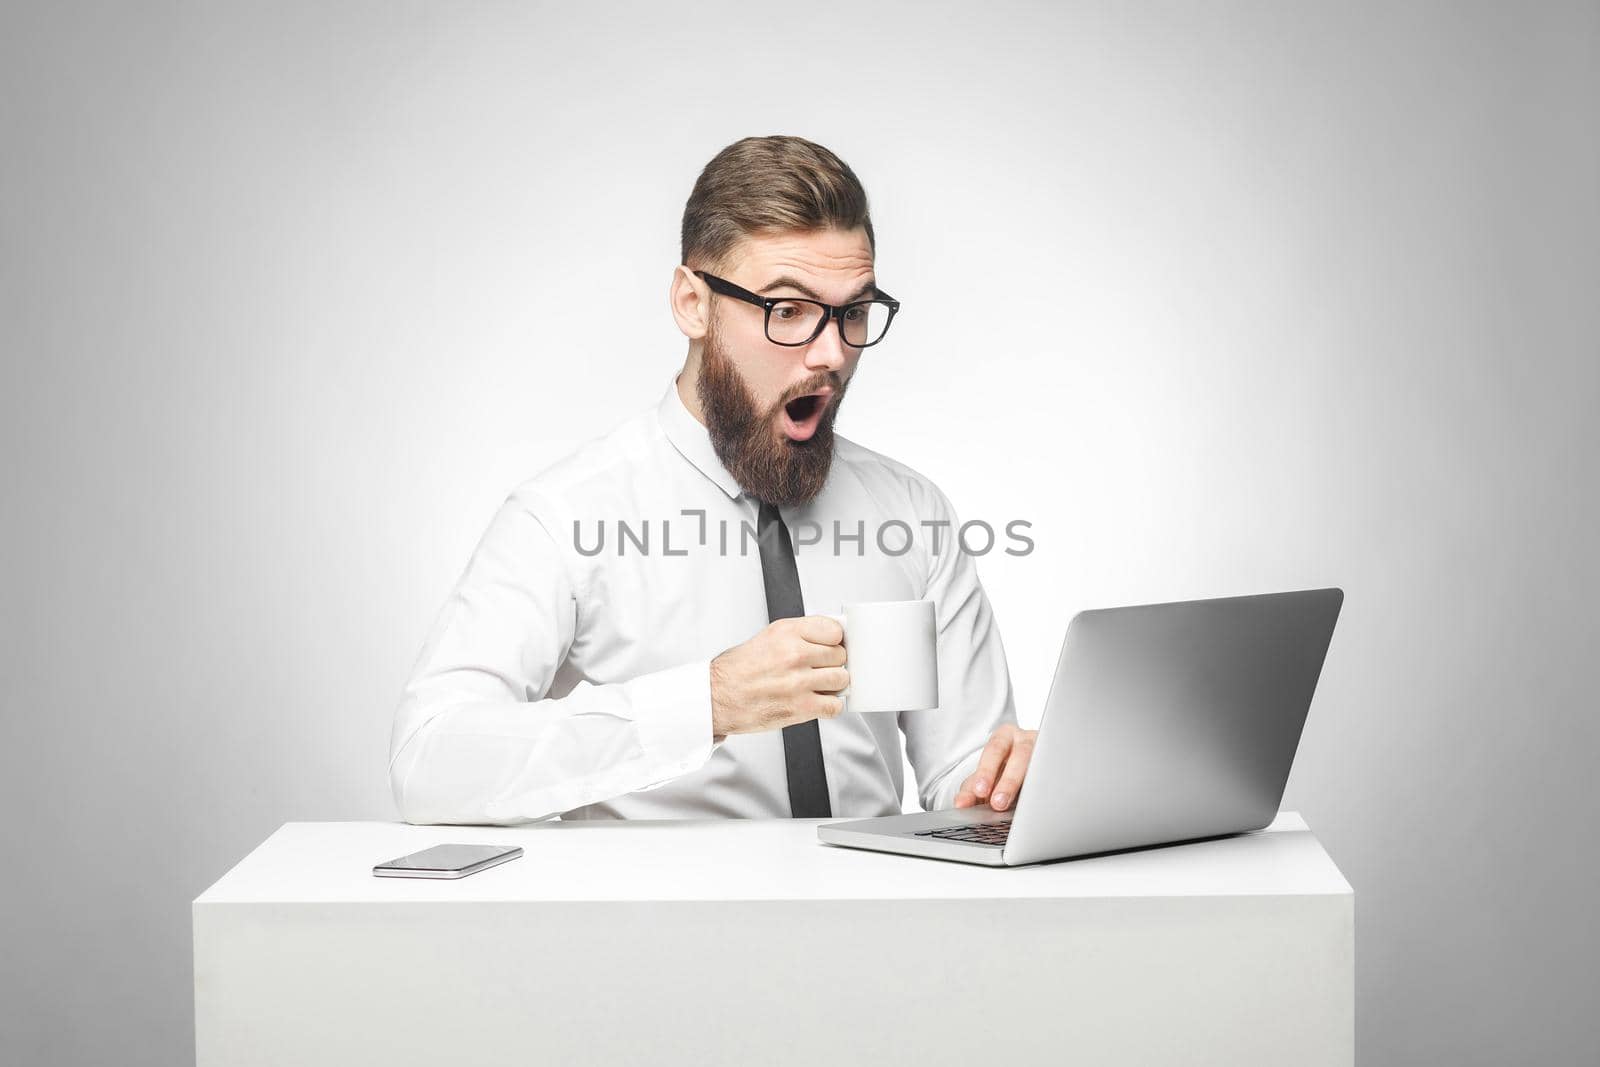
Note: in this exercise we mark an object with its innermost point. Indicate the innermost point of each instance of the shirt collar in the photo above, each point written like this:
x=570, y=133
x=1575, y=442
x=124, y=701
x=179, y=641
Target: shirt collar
x=691, y=439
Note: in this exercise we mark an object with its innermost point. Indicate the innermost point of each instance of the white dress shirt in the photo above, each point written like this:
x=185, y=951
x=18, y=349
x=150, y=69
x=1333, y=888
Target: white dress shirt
x=561, y=680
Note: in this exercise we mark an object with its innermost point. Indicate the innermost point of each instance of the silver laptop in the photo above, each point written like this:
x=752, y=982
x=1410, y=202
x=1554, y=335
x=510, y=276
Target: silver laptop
x=1165, y=723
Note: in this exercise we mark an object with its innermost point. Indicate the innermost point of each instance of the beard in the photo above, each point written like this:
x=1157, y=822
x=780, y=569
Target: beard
x=764, y=460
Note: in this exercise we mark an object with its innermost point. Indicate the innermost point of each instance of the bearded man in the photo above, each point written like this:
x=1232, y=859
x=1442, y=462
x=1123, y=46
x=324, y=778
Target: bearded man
x=693, y=676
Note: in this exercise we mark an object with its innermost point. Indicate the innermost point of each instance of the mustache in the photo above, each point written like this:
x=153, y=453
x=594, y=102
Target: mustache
x=820, y=381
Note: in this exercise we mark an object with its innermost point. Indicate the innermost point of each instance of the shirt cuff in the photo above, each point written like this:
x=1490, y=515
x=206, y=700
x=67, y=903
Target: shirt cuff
x=677, y=732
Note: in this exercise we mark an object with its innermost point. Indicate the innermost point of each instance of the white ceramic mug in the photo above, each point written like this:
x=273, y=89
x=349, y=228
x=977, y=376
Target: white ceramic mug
x=892, y=653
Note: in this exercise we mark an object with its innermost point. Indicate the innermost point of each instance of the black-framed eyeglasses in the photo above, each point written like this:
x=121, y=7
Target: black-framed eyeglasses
x=793, y=321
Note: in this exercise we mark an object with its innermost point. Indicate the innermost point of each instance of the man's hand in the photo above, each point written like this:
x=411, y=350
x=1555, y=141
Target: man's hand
x=789, y=672
x=1000, y=769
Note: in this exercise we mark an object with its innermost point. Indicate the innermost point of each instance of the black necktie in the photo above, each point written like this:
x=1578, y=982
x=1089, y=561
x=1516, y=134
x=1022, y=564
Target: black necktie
x=802, y=742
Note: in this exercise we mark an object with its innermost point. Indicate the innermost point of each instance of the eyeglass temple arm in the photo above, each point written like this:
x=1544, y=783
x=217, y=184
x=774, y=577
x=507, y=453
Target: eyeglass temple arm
x=730, y=287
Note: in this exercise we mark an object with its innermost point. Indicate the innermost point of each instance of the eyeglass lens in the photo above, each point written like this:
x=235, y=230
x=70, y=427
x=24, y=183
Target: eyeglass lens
x=794, y=321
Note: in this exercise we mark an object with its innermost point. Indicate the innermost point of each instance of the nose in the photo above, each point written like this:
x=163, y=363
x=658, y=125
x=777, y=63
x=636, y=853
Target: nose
x=828, y=351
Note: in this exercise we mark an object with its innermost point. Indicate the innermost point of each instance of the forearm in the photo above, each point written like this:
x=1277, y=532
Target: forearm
x=461, y=759
x=944, y=745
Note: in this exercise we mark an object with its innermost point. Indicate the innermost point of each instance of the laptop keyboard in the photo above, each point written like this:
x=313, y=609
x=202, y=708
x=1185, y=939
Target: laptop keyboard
x=983, y=833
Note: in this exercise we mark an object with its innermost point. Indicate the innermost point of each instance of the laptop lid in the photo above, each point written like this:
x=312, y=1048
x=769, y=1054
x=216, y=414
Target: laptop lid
x=1169, y=722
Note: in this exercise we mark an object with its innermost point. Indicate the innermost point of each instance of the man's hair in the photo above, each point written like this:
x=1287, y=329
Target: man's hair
x=768, y=185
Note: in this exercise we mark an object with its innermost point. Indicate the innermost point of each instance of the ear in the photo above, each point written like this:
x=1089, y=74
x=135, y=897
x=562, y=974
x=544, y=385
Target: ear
x=690, y=299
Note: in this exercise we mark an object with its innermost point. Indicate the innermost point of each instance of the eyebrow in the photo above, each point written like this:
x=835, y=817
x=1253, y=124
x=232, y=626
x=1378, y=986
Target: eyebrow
x=785, y=281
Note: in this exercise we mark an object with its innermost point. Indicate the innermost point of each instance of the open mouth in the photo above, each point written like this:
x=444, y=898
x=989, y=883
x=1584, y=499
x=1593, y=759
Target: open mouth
x=803, y=414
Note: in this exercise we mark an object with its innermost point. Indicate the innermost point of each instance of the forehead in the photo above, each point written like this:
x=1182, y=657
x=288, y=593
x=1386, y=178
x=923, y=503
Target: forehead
x=829, y=257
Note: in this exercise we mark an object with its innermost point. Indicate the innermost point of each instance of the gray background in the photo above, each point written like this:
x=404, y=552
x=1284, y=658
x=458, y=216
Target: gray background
x=1222, y=297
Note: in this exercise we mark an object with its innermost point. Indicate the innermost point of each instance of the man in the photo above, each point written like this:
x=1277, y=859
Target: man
x=693, y=675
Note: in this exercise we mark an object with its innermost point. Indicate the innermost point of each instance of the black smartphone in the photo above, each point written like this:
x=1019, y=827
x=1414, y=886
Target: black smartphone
x=447, y=861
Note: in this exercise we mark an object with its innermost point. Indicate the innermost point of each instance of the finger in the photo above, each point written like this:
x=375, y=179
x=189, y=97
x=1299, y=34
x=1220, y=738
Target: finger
x=823, y=629
x=1016, y=767
x=965, y=797
x=826, y=706
x=824, y=655
x=989, y=764
x=829, y=679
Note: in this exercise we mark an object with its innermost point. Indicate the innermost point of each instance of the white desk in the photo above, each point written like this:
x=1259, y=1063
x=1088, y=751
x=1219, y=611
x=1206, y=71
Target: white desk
x=749, y=942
